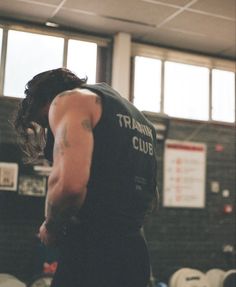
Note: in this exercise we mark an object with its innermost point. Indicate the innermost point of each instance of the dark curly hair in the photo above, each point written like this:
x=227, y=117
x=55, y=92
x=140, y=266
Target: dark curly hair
x=40, y=91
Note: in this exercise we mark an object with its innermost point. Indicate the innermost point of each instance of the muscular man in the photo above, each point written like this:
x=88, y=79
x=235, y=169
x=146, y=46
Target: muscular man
x=103, y=179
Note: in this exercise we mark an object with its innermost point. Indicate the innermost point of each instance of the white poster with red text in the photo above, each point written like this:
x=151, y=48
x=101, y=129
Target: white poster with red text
x=184, y=174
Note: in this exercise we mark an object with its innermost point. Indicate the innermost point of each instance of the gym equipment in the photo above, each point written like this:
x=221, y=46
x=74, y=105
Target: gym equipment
x=187, y=277
x=215, y=277
x=174, y=277
x=41, y=281
x=229, y=279
x=8, y=280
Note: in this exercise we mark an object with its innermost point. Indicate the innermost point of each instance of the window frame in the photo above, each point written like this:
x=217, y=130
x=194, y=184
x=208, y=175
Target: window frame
x=171, y=55
x=211, y=96
x=41, y=30
x=207, y=78
x=161, y=83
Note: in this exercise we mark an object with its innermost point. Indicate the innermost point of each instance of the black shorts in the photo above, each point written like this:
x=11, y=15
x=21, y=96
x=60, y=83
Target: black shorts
x=110, y=261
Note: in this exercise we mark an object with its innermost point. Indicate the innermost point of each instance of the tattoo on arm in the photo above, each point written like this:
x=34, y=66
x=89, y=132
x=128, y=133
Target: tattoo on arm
x=62, y=94
x=61, y=143
x=59, y=217
x=98, y=100
x=86, y=124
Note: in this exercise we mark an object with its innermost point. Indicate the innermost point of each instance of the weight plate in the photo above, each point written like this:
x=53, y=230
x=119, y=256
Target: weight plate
x=215, y=277
x=229, y=279
x=192, y=278
x=42, y=281
x=11, y=282
x=175, y=276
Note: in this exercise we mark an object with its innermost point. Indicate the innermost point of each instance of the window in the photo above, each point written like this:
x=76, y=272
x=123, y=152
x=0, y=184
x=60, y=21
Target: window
x=186, y=91
x=82, y=59
x=147, y=84
x=0, y=43
x=223, y=95
x=27, y=55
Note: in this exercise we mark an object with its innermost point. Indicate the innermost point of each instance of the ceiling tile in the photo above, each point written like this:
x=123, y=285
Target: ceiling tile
x=206, y=26
x=229, y=52
x=132, y=10
x=184, y=41
x=202, y=24
x=225, y=8
x=171, y=2
x=51, y=2
x=25, y=11
x=98, y=25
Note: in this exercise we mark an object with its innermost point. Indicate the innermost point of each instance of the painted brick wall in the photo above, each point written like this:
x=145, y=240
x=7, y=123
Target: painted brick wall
x=197, y=238
x=20, y=216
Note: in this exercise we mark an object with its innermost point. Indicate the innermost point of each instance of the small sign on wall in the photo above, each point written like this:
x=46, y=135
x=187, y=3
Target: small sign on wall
x=8, y=176
x=184, y=174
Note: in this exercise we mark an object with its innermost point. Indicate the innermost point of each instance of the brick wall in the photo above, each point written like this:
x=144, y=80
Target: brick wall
x=20, y=216
x=177, y=237
x=197, y=238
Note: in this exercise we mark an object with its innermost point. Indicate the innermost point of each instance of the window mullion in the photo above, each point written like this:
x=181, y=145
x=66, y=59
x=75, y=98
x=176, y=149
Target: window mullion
x=3, y=59
x=210, y=95
x=162, y=86
x=65, y=52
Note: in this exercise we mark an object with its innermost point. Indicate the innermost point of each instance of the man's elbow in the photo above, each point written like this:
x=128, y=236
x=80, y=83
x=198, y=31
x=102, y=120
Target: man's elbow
x=75, y=188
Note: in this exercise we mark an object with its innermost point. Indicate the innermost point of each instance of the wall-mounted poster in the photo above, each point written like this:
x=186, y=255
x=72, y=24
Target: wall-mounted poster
x=32, y=185
x=184, y=174
x=8, y=176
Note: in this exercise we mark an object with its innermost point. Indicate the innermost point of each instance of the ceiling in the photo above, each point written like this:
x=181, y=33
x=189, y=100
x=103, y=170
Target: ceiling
x=203, y=26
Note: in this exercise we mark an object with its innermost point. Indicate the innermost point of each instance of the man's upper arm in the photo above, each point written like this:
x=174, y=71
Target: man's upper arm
x=70, y=118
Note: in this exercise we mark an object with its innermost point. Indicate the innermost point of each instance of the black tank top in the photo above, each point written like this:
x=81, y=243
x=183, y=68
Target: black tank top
x=122, y=182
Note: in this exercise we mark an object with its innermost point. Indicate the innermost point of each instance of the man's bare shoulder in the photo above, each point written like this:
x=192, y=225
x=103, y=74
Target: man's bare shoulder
x=75, y=96
x=75, y=101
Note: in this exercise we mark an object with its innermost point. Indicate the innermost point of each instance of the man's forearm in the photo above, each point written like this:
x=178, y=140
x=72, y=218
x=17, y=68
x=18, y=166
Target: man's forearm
x=56, y=218
x=61, y=212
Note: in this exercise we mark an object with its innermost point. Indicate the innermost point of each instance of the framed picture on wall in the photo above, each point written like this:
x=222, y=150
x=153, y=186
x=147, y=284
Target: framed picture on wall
x=31, y=185
x=8, y=176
